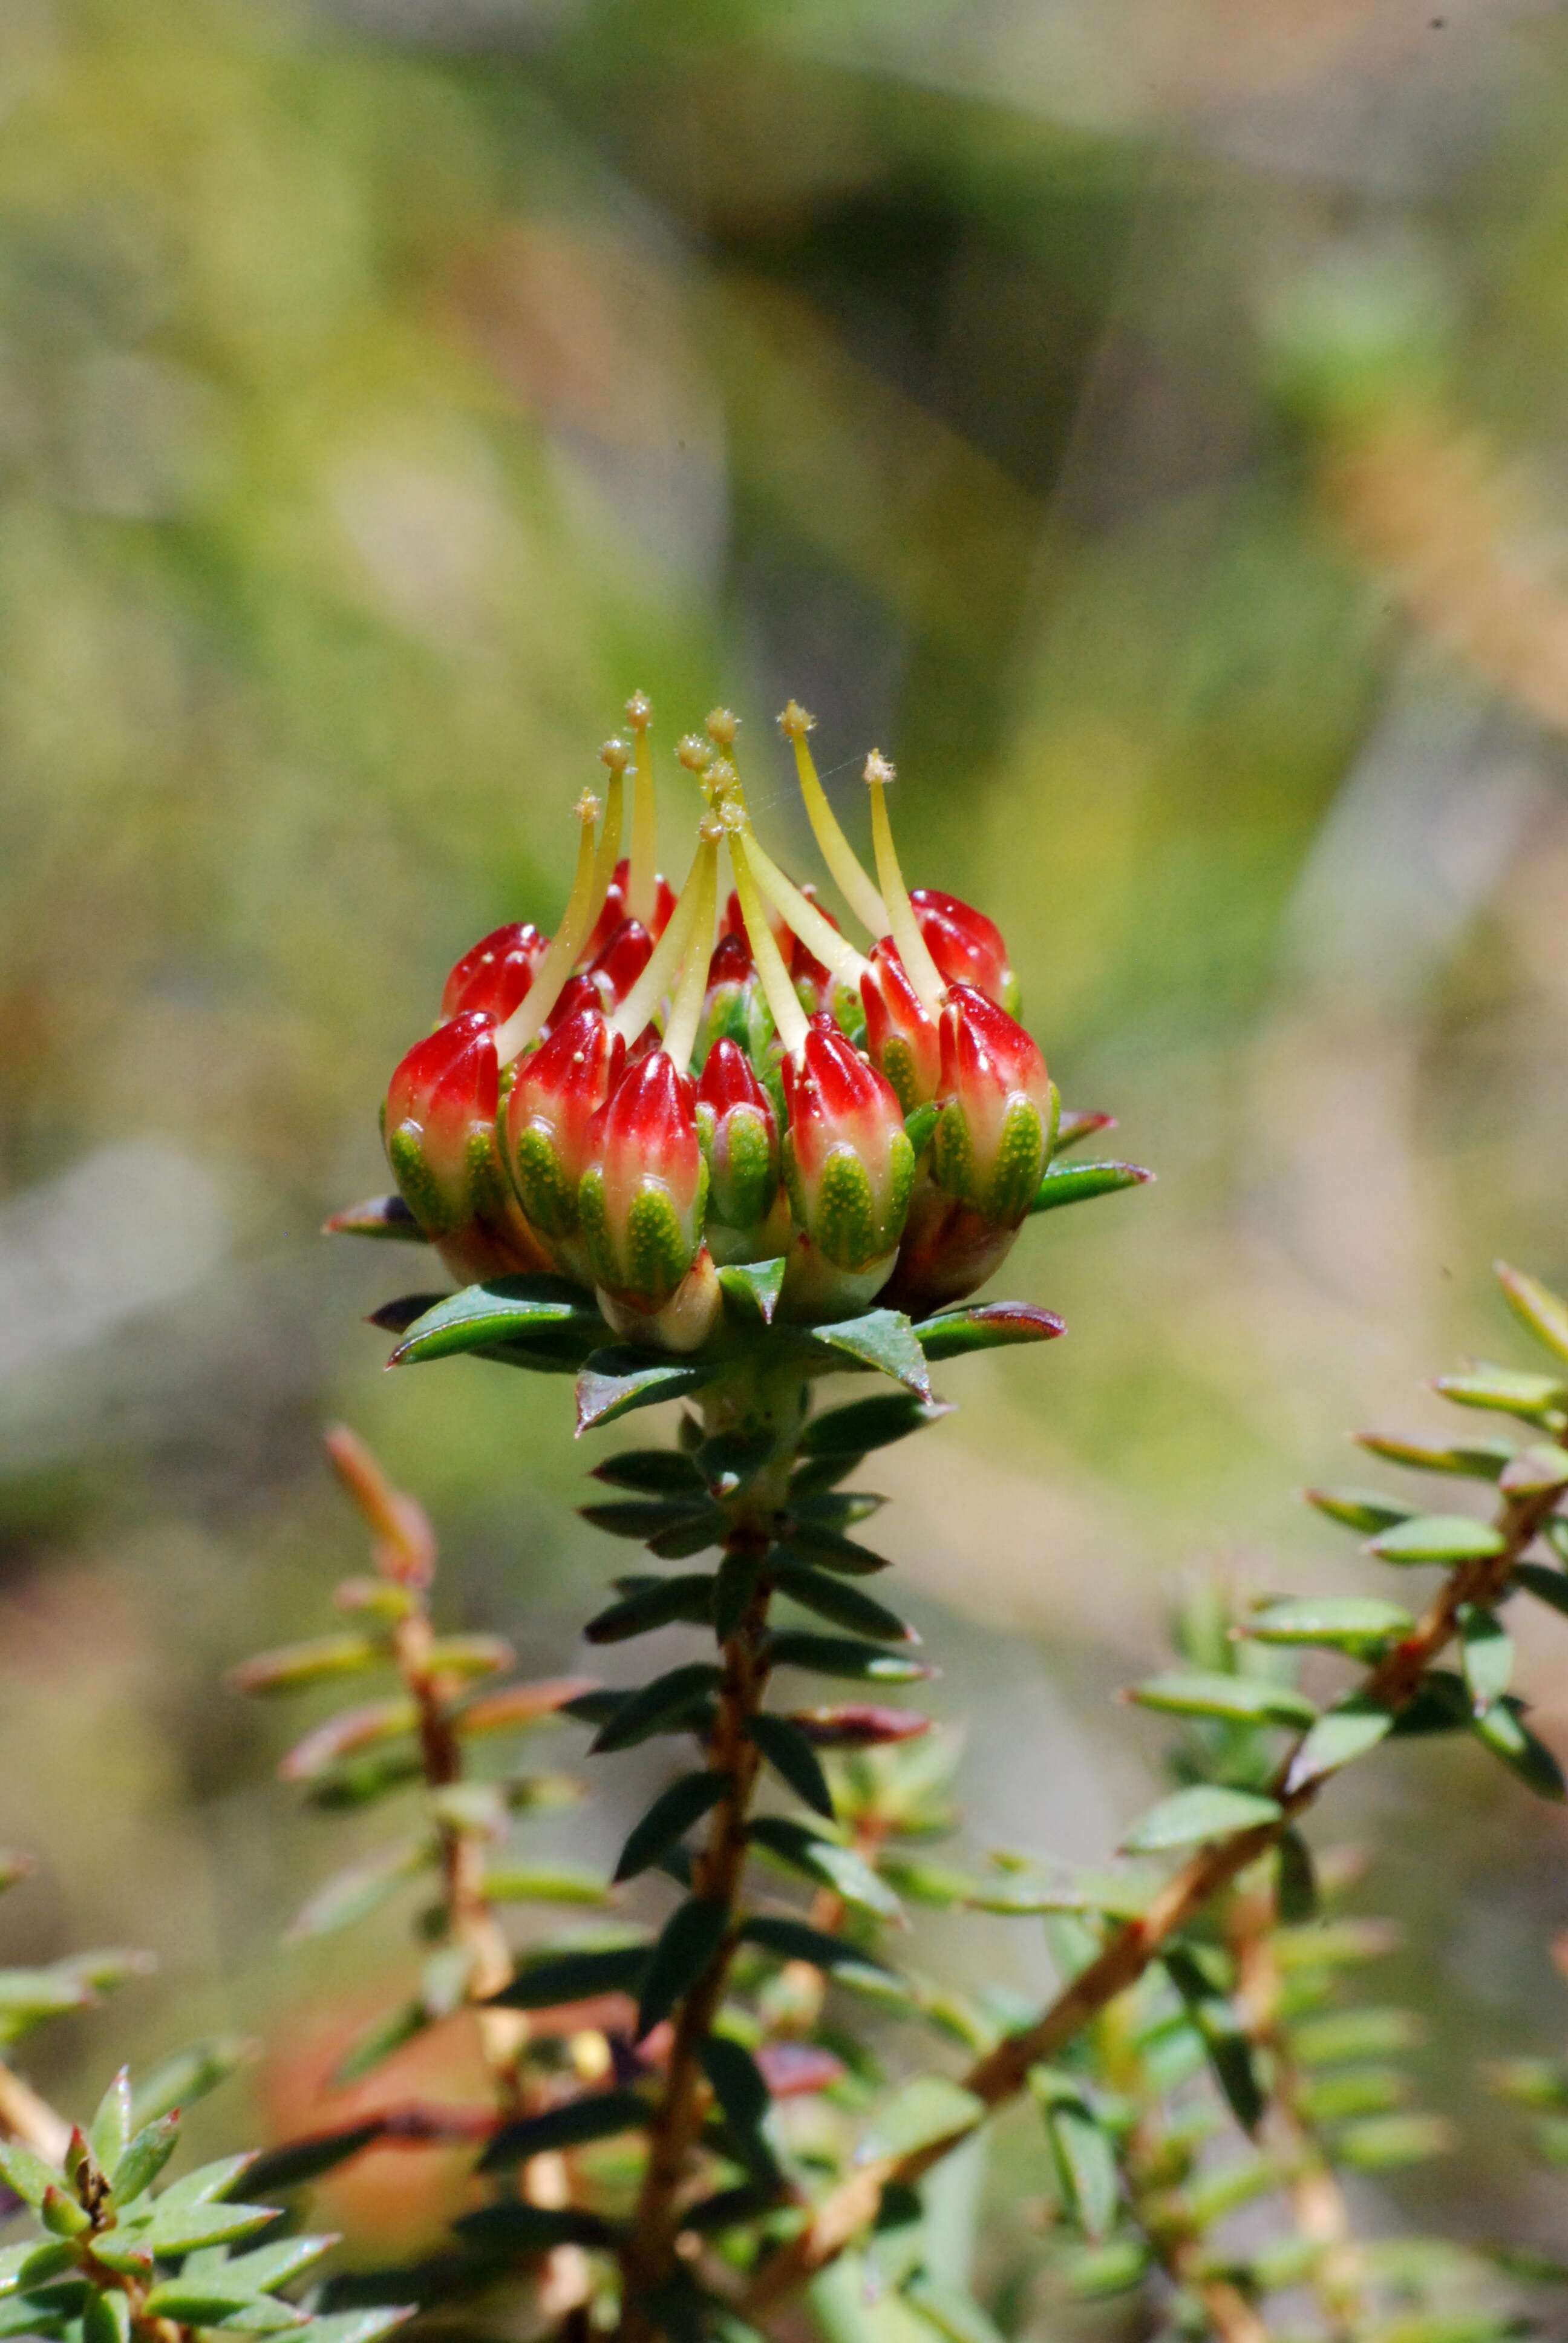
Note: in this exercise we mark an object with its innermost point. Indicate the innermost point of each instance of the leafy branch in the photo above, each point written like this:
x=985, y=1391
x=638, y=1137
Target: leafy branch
x=1485, y=1564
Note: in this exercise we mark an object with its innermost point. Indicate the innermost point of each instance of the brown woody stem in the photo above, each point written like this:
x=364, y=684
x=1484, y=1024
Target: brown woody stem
x=1001, y=2072
x=649, y=2254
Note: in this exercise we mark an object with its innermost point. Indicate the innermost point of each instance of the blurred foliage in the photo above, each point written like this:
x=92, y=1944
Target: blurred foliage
x=1144, y=416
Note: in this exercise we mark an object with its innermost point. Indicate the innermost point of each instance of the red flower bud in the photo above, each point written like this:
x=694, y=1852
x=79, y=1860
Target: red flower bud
x=614, y=910
x=966, y=945
x=734, y=1007
x=739, y=1135
x=617, y=967
x=902, y=1039
x=555, y=1094
x=642, y=1194
x=442, y=1143
x=995, y=1128
x=495, y=973
x=848, y=1160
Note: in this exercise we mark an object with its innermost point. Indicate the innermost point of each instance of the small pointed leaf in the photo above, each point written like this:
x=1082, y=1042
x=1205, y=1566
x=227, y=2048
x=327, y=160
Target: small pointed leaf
x=1342, y=1734
x=601, y=2115
x=1079, y=1183
x=1507, y=1735
x=986, y=1326
x=499, y=1311
x=651, y=1602
x=680, y=1955
x=1441, y=1538
x=665, y=1706
x=838, y=1655
x=1248, y=1700
x=1534, y=1397
x=577, y=1976
x=672, y=1813
x=751, y=1289
x=1544, y=1313
x=1192, y=1817
x=838, y=1600
x=833, y=1866
x=387, y=1217
x=1486, y=1652
x=1360, y=1509
x=788, y=1751
x=615, y=1382
x=883, y=1340
x=867, y=1423
x=1344, y=1623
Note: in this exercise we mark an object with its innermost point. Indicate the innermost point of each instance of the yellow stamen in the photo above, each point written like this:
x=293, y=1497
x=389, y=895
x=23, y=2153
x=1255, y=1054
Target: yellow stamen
x=721, y=726
x=685, y=1009
x=583, y=908
x=777, y=987
x=918, y=966
x=835, y=850
x=818, y=934
x=642, y=874
x=801, y=917
x=616, y=755
x=669, y=952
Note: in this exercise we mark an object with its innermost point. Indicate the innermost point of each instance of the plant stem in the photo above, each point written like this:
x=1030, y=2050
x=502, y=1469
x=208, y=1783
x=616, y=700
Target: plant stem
x=1317, y=2201
x=649, y=2254
x=1002, y=2072
x=25, y=2116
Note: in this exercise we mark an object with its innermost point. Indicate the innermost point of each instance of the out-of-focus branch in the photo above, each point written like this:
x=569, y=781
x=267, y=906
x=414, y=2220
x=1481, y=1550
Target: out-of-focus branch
x=999, y=2076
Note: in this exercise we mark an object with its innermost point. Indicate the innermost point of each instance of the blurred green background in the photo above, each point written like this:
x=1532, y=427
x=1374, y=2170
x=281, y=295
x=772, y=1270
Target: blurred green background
x=1147, y=419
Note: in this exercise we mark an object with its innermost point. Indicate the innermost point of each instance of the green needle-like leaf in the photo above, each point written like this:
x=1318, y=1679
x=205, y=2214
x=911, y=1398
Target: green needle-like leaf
x=672, y=1813
x=602, y=2115
x=613, y=1383
x=502, y=1309
x=793, y=1759
x=837, y=1655
x=841, y=1602
x=986, y=1326
x=1189, y=1817
x=1344, y=1623
x=882, y=1339
x=1079, y=1183
x=665, y=1706
x=689, y=1940
x=1248, y=1700
x=1443, y=1538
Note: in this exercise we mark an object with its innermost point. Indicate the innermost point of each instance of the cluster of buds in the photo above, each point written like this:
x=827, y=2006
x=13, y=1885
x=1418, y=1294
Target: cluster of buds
x=672, y=1083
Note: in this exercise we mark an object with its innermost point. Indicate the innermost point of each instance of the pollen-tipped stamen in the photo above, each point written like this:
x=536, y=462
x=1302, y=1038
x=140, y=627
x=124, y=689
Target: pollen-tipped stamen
x=670, y=952
x=690, y=991
x=902, y=925
x=583, y=907
x=642, y=871
x=778, y=990
x=615, y=756
x=835, y=850
x=822, y=939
